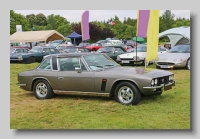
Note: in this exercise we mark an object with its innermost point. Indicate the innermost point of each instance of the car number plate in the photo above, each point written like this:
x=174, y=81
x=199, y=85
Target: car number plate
x=125, y=61
x=164, y=66
x=167, y=87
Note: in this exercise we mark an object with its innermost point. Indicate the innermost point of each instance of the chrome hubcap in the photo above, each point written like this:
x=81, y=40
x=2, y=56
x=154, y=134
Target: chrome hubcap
x=125, y=94
x=41, y=90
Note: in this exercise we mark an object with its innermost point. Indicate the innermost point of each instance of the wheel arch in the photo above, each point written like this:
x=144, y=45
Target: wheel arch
x=36, y=79
x=112, y=92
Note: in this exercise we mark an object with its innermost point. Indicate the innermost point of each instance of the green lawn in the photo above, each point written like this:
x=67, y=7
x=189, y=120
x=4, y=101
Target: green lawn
x=171, y=110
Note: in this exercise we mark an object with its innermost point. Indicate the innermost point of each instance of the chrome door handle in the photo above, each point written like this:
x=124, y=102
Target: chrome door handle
x=60, y=77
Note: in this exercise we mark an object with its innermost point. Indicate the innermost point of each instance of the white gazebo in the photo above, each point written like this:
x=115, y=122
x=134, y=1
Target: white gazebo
x=176, y=35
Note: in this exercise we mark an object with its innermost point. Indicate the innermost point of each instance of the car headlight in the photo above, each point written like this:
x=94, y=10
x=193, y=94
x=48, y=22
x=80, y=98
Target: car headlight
x=156, y=81
x=20, y=57
x=171, y=77
x=152, y=82
x=178, y=60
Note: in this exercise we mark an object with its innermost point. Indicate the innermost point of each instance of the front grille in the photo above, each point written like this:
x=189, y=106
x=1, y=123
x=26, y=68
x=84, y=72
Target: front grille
x=13, y=57
x=163, y=80
x=165, y=63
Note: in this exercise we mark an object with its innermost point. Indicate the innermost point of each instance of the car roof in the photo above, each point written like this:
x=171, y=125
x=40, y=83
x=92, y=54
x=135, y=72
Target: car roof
x=71, y=54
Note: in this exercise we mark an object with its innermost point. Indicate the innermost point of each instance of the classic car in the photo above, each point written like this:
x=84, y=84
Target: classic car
x=16, y=52
x=177, y=57
x=36, y=54
x=94, y=46
x=130, y=58
x=112, y=51
x=62, y=47
x=76, y=49
x=93, y=73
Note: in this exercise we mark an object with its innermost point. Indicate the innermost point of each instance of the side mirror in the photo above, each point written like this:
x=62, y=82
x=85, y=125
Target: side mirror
x=78, y=69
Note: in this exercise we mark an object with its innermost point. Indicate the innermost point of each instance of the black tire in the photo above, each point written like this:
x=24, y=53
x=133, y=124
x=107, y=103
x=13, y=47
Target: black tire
x=134, y=94
x=42, y=89
x=30, y=60
x=187, y=66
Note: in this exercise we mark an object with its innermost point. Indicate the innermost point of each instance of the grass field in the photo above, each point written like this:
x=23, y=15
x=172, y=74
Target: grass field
x=171, y=110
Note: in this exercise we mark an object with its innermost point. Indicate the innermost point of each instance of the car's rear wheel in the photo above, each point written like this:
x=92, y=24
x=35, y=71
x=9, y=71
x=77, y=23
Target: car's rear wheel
x=127, y=93
x=188, y=64
x=42, y=90
x=30, y=60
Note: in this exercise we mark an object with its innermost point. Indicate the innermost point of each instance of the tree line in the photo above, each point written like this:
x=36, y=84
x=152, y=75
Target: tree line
x=99, y=30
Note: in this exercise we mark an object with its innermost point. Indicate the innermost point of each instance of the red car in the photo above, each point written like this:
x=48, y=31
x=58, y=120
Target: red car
x=21, y=47
x=94, y=46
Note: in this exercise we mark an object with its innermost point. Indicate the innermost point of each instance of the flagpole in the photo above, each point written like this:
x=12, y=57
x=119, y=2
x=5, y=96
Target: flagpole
x=136, y=51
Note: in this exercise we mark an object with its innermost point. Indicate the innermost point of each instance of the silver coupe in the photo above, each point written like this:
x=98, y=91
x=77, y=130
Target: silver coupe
x=177, y=57
x=93, y=73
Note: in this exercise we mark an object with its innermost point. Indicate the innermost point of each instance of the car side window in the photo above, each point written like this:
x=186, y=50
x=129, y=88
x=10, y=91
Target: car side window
x=45, y=65
x=25, y=51
x=52, y=50
x=69, y=64
x=46, y=50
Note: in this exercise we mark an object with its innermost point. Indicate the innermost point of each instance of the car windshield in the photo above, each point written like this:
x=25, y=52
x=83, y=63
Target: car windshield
x=36, y=50
x=131, y=50
x=180, y=49
x=100, y=62
x=53, y=45
x=105, y=50
x=70, y=50
x=141, y=48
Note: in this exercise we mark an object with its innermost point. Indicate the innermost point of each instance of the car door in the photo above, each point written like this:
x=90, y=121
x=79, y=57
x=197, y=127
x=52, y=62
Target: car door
x=71, y=80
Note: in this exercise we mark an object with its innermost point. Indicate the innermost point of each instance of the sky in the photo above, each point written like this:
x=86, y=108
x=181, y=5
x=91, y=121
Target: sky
x=98, y=15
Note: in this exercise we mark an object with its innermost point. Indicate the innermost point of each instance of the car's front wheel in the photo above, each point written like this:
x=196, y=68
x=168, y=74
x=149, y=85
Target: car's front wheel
x=188, y=64
x=42, y=90
x=127, y=93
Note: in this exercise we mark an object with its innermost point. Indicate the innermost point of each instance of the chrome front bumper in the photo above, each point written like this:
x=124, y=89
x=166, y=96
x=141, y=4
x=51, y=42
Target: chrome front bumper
x=153, y=88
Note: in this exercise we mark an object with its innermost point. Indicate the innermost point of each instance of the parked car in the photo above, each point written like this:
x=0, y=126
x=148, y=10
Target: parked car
x=132, y=43
x=62, y=47
x=83, y=44
x=130, y=58
x=16, y=52
x=177, y=57
x=76, y=49
x=112, y=51
x=56, y=43
x=93, y=73
x=94, y=46
x=36, y=54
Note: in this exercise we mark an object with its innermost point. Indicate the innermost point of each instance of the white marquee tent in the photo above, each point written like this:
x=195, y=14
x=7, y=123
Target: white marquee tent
x=176, y=34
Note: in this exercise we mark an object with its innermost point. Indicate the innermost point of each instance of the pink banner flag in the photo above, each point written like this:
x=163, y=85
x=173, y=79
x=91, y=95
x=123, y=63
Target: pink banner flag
x=85, y=26
x=142, y=23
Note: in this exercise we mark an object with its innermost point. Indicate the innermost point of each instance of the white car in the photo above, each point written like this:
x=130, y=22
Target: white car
x=130, y=58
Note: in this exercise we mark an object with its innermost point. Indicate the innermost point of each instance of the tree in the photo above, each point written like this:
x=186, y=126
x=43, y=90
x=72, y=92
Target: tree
x=56, y=20
x=18, y=19
x=166, y=21
x=65, y=30
x=31, y=19
x=40, y=20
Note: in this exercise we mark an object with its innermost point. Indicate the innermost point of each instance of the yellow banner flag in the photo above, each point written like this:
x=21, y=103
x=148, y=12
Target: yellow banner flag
x=153, y=35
